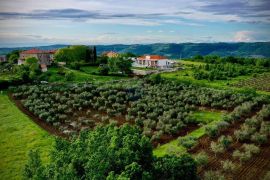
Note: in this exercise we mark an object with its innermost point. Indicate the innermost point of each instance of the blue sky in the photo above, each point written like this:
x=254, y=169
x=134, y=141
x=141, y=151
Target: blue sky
x=44, y=22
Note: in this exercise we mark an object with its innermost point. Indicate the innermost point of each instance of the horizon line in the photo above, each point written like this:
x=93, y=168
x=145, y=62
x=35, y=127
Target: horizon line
x=32, y=46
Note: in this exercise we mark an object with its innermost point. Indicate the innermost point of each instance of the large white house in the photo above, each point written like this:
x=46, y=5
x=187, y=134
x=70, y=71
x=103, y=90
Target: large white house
x=155, y=61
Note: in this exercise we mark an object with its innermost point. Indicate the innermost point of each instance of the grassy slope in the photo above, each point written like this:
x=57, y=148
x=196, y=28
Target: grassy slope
x=80, y=76
x=18, y=135
x=201, y=116
x=186, y=75
x=8, y=76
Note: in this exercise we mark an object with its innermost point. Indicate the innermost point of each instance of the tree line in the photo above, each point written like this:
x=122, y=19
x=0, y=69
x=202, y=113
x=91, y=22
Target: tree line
x=214, y=59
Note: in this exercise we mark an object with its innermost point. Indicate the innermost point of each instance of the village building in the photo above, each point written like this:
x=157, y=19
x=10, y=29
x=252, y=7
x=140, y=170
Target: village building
x=45, y=57
x=153, y=61
x=111, y=54
x=3, y=58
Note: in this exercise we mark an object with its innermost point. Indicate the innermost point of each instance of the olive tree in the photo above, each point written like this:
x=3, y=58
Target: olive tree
x=217, y=147
x=188, y=141
x=242, y=156
x=201, y=159
x=228, y=166
x=259, y=138
x=225, y=141
x=213, y=175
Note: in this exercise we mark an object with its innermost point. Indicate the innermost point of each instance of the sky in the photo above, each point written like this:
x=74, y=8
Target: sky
x=95, y=22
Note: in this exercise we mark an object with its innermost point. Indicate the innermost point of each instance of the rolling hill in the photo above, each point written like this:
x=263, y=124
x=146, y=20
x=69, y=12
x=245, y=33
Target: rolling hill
x=184, y=50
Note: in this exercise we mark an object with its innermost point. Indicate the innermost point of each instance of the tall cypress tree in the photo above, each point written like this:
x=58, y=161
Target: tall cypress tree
x=95, y=54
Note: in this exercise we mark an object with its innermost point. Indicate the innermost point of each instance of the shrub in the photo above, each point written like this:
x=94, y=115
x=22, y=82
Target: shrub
x=222, y=125
x=253, y=122
x=225, y=141
x=265, y=128
x=211, y=131
x=253, y=149
x=267, y=176
x=103, y=70
x=259, y=138
x=188, y=141
x=217, y=147
x=75, y=65
x=213, y=175
x=34, y=168
x=69, y=76
x=228, y=166
x=244, y=133
x=201, y=159
x=172, y=167
x=242, y=156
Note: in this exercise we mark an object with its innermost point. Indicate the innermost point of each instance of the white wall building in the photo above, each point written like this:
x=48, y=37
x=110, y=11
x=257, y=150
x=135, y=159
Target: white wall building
x=154, y=61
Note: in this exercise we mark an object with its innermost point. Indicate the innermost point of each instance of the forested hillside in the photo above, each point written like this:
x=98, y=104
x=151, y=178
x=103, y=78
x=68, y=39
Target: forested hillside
x=183, y=50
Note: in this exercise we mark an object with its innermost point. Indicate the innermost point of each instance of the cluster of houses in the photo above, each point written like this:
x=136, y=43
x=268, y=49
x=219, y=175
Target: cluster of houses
x=46, y=57
x=147, y=61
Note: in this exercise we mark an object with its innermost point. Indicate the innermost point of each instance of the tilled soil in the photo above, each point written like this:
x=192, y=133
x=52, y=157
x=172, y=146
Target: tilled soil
x=254, y=169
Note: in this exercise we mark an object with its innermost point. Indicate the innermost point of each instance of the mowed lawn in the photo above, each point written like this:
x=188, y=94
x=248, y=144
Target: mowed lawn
x=18, y=135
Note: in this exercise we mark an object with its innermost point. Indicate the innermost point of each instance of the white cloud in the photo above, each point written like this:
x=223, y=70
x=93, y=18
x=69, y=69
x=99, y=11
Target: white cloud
x=244, y=36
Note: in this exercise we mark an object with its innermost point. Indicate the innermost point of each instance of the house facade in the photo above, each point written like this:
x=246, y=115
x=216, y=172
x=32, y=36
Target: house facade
x=45, y=58
x=111, y=54
x=154, y=61
x=3, y=58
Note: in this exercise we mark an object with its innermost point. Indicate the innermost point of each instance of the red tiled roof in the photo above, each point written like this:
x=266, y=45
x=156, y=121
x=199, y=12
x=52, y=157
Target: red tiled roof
x=37, y=51
x=43, y=66
x=51, y=51
x=152, y=57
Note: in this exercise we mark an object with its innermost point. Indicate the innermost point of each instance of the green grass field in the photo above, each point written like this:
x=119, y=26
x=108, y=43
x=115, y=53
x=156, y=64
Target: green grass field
x=201, y=116
x=8, y=76
x=81, y=76
x=18, y=135
x=89, y=69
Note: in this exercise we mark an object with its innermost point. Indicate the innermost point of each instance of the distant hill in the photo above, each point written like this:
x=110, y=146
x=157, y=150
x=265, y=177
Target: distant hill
x=260, y=49
x=257, y=49
x=4, y=51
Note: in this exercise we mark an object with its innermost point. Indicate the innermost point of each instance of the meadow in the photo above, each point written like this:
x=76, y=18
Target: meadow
x=19, y=135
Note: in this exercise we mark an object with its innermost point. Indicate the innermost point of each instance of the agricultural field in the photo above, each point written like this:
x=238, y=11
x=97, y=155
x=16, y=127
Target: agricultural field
x=241, y=150
x=162, y=110
x=259, y=82
x=191, y=73
x=178, y=118
x=19, y=135
x=205, y=118
x=225, y=130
